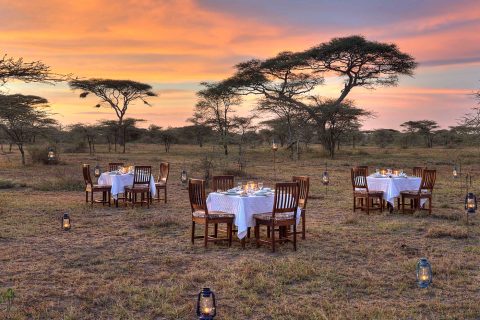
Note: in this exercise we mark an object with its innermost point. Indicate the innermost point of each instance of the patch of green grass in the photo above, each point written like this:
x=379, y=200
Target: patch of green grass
x=60, y=184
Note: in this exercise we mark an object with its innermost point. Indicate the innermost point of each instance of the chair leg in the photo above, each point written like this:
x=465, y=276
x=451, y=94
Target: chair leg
x=303, y=224
x=430, y=205
x=354, y=203
x=257, y=235
x=165, y=194
x=86, y=196
x=215, y=230
x=268, y=231
x=368, y=205
x=294, y=237
x=273, y=238
x=91, y=198
x=403, y=204
x=109, y=198
x=229, y=230
x=193, y=232
x=205, y=240
x=248, y=232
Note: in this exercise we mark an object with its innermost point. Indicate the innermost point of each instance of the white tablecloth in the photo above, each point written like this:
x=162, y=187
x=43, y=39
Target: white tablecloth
x=119, y=182
x=243, y=208
x=392, y=187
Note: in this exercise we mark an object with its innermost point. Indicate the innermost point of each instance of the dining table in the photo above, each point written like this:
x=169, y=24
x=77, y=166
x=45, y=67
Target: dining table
x=119, y=181
x=243, y=207
x=393, y=185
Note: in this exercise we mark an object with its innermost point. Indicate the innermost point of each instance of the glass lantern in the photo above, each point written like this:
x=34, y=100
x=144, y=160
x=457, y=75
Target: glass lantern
x=274, y=146
x=471, y=203
x=424, y=273
x=455, y=172
x=97, y=171
x=66, y=222
x=325, y=178
x=184, y=177
x=206, y=306
x=51, y=156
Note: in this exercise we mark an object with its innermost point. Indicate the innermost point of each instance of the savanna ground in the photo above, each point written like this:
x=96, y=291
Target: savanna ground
x=139, y=263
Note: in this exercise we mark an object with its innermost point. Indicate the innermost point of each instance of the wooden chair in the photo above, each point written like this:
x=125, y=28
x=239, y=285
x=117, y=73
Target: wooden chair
x=92, y=188
x=363, y=168
x=141, y=185
x=222, y=183
x=424, y=192
x=114, y=166
x=360, y=191
x=304, y=183
x=162, y=180
x=418, y=171
x=283, y=215
x=201, y=215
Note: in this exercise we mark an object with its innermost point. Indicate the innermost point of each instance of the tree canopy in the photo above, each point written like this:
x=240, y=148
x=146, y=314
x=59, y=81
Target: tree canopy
x=117, y=94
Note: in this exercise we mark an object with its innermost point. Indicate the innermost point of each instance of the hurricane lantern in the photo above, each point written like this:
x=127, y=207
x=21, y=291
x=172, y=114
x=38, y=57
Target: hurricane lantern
x=66, y=222
x=206, y=306
x=455, y=172
x=184, y=177
x=470, y=203
x=274, y=146
x=325, y=178
x=383, y=172
x=97, y=172
x=51, y=156
x=424, y=273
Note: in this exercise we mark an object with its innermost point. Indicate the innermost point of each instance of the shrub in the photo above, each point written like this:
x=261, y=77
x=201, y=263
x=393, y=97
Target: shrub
x=40, y=155
x=79, y=147
x=6, y=184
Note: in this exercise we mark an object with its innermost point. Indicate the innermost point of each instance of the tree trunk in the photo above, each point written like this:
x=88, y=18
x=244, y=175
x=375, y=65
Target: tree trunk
x=22, y=152
x=124, y=137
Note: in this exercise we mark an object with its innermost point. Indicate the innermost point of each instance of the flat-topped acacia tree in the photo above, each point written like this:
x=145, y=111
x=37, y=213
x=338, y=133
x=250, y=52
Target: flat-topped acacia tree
x=117, y=94
x=290, y=77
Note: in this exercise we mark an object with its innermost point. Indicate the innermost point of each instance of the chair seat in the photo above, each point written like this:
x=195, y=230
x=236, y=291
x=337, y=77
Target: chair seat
x=98, y=187
x=364, y=193
x=213, y=214
x=140, y=187
x=413, y=193
x=160, y=184
x=278, y=216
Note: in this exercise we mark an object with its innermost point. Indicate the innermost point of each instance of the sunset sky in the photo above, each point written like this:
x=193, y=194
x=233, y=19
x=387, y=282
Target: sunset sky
x=173, y=45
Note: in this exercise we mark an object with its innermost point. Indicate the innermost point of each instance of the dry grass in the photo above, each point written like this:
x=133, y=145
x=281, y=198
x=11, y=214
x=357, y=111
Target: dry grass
x=139, y=263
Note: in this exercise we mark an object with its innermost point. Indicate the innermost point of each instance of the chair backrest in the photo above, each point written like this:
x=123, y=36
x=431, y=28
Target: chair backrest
x=142, y=175
x=222, y=182
x=164, y=172
x=364, y=168
x=359, y=178
x=286, y=198
x=114, y=166
x=86, y=174
x=418, y=171
x=304, y=184
x=196, y=193
x=428, y=180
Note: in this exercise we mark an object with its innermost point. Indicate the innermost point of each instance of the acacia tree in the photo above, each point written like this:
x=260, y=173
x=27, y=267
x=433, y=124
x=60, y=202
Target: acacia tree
x=290, y=76
x=337, y=119
x=127, y=124
x=117, y=94
x=21, y=117
x=423, y=128
x=200, y=130
x=18, y=69
x=215, y=106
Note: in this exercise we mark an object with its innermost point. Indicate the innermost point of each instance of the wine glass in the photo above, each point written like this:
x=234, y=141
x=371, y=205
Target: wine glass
x=239, y=186
x=260, y=185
